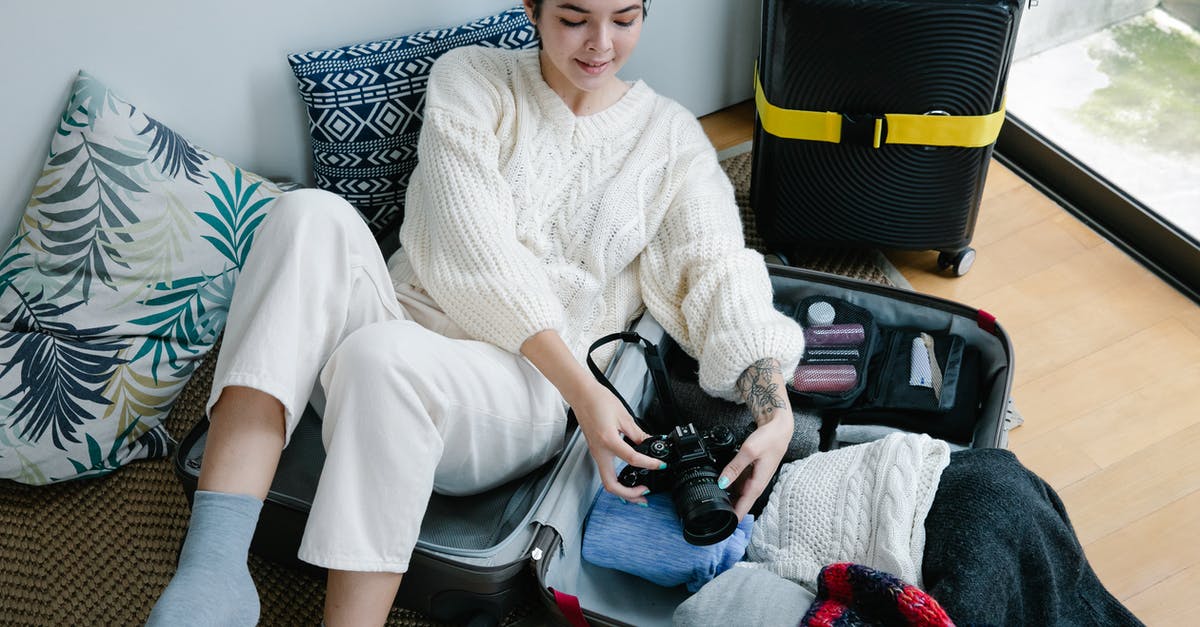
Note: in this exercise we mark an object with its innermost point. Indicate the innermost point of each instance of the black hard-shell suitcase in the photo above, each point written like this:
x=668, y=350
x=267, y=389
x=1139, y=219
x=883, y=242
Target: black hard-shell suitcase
x=471, y=563
x=477, y=557
x=872, y=77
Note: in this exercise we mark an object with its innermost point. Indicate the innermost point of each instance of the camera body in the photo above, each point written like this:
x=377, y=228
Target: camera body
x=694, y=460
x=681, y=449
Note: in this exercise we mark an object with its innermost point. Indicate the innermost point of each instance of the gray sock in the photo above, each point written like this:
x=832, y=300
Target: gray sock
x=212, y=585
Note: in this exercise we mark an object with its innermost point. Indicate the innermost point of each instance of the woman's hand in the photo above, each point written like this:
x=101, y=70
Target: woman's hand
x=603, y=420
x=750, y=471
x=601, y=416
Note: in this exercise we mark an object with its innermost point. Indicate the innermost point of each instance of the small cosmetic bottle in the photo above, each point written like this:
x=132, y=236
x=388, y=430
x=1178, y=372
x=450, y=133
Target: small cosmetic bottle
x=835, y=335
x=824, y=378
x=820, y=314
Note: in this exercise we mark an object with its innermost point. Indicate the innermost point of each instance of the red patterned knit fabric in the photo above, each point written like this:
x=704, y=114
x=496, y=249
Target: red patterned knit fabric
x=852, y=595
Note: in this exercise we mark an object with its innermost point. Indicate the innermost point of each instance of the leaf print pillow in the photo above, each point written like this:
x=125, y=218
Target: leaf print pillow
x=114, y=287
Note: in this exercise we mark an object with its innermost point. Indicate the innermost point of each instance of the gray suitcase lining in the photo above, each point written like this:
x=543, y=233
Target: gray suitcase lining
x=610, y=597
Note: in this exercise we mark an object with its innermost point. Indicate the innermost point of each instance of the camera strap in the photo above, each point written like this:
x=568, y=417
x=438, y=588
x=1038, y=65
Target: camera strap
x=654, y=363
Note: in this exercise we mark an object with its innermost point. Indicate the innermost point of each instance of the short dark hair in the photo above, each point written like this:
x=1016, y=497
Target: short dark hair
x=537, y=8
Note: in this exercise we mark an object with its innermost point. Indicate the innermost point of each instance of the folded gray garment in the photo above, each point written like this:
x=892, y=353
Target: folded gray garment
x=706, y=411
x=849, y=435
x=745, y=596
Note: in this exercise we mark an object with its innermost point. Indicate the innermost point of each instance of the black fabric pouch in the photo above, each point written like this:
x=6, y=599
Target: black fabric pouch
x=891, y=401
x=893, y=384
x=825, y=352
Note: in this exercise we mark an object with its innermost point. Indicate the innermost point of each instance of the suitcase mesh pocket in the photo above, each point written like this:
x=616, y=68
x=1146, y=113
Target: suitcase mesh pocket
x=839, y=339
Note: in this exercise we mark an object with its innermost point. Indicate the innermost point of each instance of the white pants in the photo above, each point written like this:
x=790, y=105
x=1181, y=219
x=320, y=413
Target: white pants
x=408, y=409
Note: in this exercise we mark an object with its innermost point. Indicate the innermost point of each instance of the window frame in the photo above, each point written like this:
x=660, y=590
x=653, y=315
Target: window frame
x=1119, y=217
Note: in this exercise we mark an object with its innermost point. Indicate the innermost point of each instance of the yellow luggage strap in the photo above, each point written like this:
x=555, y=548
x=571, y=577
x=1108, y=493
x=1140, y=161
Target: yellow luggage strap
x=870, y=129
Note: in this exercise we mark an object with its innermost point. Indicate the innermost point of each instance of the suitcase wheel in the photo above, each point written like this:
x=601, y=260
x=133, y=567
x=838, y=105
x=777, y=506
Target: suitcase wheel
x=960, y=260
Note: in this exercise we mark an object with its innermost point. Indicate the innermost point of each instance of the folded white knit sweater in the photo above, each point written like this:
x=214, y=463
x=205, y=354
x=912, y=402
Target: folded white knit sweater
x=864, y=504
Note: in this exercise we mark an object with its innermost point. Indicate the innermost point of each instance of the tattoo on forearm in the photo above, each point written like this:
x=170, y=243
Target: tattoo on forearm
x=759, y=386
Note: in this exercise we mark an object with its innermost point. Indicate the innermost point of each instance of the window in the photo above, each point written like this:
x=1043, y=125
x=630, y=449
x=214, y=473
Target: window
x=1105, y=114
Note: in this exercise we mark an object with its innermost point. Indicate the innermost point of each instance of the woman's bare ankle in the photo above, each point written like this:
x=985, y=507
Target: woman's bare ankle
x=245, y=438
x=358, y=598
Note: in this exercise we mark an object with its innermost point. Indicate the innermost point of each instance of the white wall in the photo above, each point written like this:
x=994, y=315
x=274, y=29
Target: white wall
x=1054, y=22
x=216, y=72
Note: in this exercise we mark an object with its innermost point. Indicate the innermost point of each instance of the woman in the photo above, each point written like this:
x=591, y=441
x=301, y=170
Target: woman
x=552, y=201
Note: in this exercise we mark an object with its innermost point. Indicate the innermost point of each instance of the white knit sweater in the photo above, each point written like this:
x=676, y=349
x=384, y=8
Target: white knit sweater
x=522, y=217
x=865, y=504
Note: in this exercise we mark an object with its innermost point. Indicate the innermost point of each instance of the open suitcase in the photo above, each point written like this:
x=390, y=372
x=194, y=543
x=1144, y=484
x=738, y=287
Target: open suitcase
x=876, y=121
x=479, y=556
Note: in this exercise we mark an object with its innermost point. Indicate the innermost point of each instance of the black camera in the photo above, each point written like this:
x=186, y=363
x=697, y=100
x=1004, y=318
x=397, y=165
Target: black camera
x=694, y=462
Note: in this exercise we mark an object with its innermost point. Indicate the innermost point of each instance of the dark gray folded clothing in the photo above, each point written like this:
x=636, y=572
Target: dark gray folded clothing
x=1000, y=550
x=706, y=411
x=745, y=596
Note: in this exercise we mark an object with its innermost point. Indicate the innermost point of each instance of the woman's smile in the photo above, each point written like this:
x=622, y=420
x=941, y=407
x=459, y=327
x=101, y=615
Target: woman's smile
x=593, y=67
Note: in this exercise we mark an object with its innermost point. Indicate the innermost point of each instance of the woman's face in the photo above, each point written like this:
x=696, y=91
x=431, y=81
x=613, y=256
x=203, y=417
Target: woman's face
x=586, y=41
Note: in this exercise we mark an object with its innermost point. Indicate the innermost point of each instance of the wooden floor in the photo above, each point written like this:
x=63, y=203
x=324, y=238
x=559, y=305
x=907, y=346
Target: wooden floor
x=1107, y=374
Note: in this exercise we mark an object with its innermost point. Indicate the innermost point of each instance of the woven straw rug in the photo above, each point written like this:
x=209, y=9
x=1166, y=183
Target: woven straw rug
x=99, y=551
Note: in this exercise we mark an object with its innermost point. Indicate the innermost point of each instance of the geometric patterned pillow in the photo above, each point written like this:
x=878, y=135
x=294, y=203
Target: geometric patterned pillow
x=115, y=286
x=364, y=108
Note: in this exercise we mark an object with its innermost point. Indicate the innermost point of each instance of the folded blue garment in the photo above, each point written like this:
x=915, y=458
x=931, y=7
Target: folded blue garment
x=648, y=542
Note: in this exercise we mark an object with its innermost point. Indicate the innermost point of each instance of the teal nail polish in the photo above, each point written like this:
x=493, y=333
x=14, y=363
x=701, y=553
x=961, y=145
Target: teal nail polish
x=623, y=501
x=645, y=492
x=644, y=504
x=662, y=466
x=723, y=482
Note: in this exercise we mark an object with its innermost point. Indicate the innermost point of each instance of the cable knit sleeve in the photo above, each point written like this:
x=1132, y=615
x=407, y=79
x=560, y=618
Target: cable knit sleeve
x=459, y=229
x=710, y=292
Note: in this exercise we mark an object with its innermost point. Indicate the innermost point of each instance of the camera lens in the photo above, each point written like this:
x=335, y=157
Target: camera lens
x=705, y=509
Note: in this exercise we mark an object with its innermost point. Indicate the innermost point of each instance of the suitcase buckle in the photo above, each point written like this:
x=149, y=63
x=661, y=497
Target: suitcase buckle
x=859, y=129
